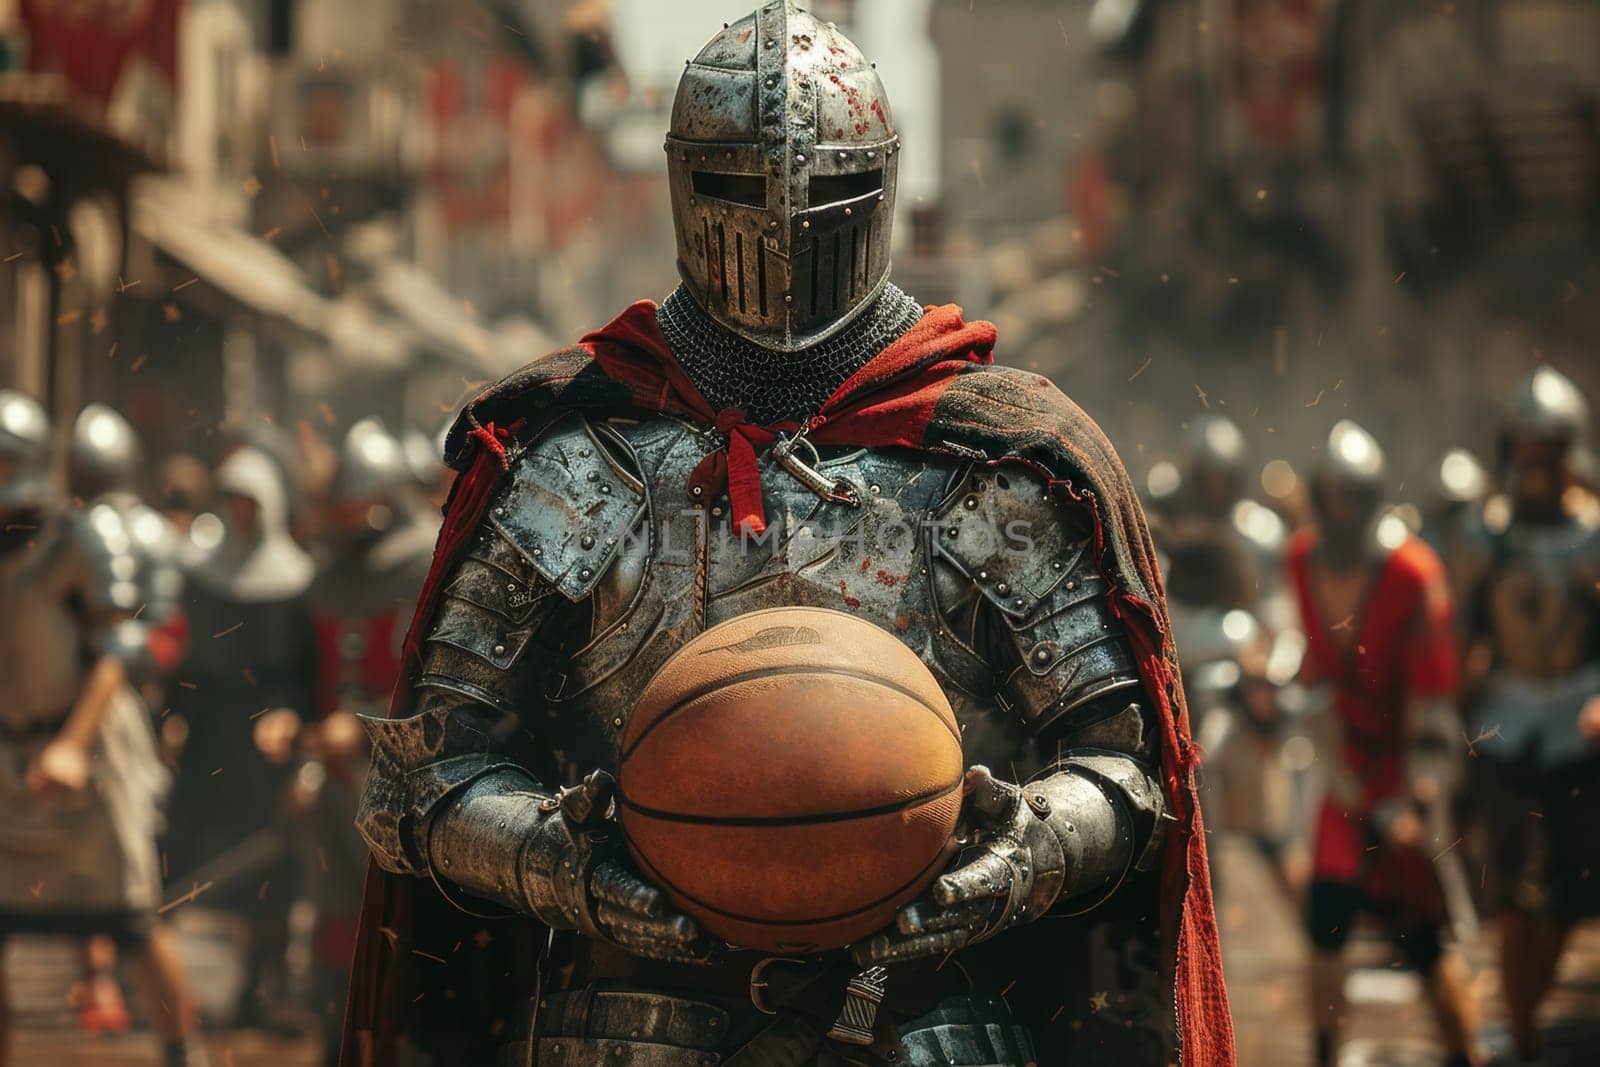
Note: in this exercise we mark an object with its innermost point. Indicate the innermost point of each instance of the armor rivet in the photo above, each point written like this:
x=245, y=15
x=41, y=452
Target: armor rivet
x=983, y=576
x=1056, y=565
x=611, y=541
x=788, y=298
x=447, y=861
x=872, y=155
x=848, y=212
x=585, y=573
x=1041, y=654
x=499, y=650
x=875, y=489
x=1072, y=584
x=971, y=503
x=1002, y=588
x=587, y=540
x=800, y=158
x=502, y=824
x=953, y=532
x=806, y=225
x=716, y=513
x=617, y=722
x=696, y=491
x=538, y=552
x=511, y=587
x=499, y=511
x=1019, y=602
x=623, y=628
x=773, y=225
x=592, y=476
x=605, y=487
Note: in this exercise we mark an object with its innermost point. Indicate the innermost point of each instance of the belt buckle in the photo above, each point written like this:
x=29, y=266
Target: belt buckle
x=758, y=981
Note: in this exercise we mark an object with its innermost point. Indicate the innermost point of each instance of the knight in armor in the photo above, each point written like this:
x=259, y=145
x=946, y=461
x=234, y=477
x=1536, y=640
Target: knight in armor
x=1222, y=556
x=375, y=546
x=103, y=463
x=1452, y=519
x=102, y=472
x=1381, y=653
x=1534, y=618
x=248, y=603
x=679, y=467
x=80, y=780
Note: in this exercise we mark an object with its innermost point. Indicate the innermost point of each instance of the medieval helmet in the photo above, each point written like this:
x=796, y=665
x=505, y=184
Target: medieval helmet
x=1546, y=404
x=1215, y=443
x=1353, y=458
x=24, y=451
x=372, y=463
x=1352, y=467
x=782, y=161
x=105, y=452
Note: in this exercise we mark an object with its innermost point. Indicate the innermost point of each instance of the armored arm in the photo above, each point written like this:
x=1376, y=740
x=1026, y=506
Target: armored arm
x=449, y=795
x=1040, y=610
x=1018, y=581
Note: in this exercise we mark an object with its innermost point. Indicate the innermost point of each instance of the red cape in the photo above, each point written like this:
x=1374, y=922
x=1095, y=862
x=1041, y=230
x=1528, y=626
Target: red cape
x=933, y=390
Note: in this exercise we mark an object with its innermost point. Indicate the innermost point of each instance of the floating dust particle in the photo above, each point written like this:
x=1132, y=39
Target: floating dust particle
x=216, y=772
x=1141, y=369
x=1316, y=399
x=272, y=234
x=1205, y=397
x=187, y=898
x=229, y=630
x=430, y=956
x=170, y=312
x=184, y=285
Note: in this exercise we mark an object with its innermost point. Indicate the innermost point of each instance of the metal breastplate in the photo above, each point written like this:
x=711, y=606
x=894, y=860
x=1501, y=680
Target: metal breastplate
x=683, y=570
x=1542, y=601
x=41, y=640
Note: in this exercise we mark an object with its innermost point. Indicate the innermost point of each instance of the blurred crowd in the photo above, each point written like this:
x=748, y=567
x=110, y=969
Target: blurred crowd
x=1398, y=696
x=189, y=648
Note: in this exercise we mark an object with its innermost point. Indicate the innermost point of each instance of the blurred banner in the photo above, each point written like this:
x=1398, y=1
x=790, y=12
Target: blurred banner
x=91, y=42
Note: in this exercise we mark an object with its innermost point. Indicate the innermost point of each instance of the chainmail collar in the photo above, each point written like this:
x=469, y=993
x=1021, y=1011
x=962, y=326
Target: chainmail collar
x=769, y=385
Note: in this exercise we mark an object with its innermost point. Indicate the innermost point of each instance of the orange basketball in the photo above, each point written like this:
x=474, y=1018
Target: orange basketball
x=790, y=778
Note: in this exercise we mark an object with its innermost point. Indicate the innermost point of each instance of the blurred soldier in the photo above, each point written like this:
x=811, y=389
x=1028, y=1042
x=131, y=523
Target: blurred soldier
x=254, y=652
x=103, y=464
x=1536, y=614
x=1226, y=549
x=80, y=784
x=1377, y=619
x=1451, y=522
x=376, y=550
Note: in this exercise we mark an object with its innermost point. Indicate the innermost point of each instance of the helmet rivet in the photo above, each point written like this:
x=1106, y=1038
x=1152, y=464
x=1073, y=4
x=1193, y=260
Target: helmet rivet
x=800, y=159
x=872, y=155
x=788, y=298
x=848, y=212
x=806, y=225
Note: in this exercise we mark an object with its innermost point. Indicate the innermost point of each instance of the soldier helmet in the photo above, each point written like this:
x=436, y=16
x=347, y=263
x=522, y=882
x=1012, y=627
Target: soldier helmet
x=1547, y=405
x=1216, y=443
x=105, y=452
x=1353, y=459
x=24, y=452
x=782, y=160
x=372, y=463
x=1461, y=479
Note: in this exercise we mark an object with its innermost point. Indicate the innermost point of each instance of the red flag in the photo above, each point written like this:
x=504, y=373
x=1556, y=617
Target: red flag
x=90, y=42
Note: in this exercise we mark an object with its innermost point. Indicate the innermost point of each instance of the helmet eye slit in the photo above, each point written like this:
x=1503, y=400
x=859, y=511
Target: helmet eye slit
x=839, y=188
x=748, y=190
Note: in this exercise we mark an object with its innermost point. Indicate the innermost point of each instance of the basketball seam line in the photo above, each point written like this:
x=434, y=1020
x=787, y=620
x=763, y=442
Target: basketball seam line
x=778, y=672
x=666, y=883
x=790, y=820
